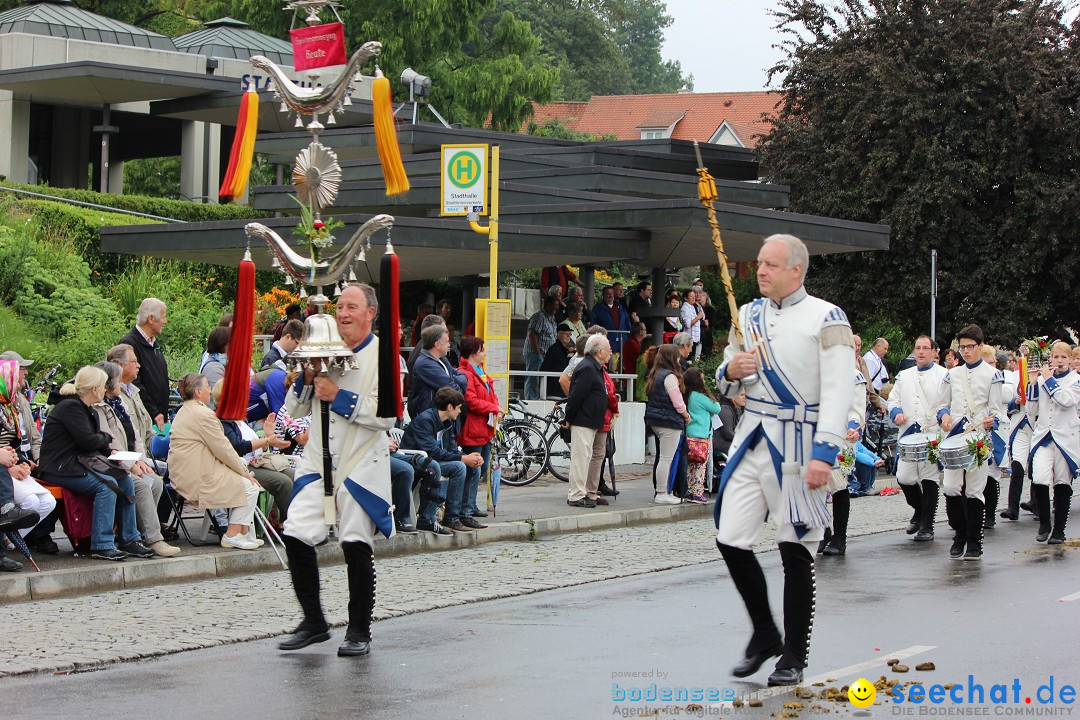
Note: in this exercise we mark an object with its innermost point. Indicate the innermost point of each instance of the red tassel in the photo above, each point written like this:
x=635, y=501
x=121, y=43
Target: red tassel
x=389, y=326
x=234, y=394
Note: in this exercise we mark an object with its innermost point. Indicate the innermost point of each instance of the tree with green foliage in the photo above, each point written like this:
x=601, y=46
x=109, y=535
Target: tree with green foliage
x=954, y=122
x=640, y=37
x=483, y=67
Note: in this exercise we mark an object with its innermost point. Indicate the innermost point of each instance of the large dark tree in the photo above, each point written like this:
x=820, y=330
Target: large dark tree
x=955, y=122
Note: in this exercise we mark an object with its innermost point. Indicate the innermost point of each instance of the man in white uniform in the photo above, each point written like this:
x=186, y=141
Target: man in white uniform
x=913, y=405
x=360, y=454
x=971, y=395
x=798, y=392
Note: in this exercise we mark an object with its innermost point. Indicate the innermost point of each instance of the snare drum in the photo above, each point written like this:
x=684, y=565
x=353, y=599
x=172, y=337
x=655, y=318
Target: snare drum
x=954, y=453
x=912, y=448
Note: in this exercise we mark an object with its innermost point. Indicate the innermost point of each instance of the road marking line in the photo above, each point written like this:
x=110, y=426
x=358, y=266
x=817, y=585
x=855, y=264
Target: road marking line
x=770, y=692
x=1070, y=598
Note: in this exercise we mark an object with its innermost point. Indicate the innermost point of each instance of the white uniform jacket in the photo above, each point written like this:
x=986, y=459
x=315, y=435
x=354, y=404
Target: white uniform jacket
x=917, y=395
x=969, y=394
x=359, y=446
x=1057, y=421
x=802, y=402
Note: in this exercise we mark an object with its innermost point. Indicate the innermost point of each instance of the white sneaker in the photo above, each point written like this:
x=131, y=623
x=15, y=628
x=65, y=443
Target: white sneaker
x=240, y=542
x=666, y=499
x=164, y=549
x=251, y=536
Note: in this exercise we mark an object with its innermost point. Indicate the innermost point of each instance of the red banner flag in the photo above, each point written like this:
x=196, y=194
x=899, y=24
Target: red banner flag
x=318, y=46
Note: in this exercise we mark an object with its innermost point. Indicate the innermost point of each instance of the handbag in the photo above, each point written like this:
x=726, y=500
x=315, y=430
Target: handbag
x=698, y=450
x=106, y=471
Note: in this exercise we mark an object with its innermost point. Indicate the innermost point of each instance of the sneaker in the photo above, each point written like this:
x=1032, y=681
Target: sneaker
x=458, y=526
x=472, y=523
x=45, y=545
x=108, y=554
x=479, y=513
x=251, y=536
x=666, y=499
x=589, y=503
x=406, y=529
x=434, y=529
x=164, y=549
x=580, y=502
x=698, y=500
x=238, y=541
x=137, y=550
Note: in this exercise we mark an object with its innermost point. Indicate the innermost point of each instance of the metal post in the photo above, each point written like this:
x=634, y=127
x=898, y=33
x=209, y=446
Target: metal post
x=933, y=295
x=588, y=282
x=659, y=289
x=106, y=131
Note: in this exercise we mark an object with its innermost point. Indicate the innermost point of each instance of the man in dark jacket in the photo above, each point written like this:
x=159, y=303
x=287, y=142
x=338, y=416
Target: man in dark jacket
x=558, y=357
x=432, y=371
x=585, y=415
x=153, y=379
x=433, y=432
x=291, y=336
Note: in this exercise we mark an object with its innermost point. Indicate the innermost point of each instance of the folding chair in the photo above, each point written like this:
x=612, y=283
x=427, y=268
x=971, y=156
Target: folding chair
x=414, y=497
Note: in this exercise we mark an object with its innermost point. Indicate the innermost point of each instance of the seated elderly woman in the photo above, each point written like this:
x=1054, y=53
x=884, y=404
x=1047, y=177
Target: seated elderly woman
x=74, y=452
x=273, y=472
x=204, y=467
x=114, y=419
x=19, y=433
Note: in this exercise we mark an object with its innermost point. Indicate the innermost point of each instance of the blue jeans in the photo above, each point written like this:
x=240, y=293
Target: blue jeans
x=532, y=384
x=862, y=481
x=106, y=505
x=450, y=491
x=472, y=479
x=401, y=485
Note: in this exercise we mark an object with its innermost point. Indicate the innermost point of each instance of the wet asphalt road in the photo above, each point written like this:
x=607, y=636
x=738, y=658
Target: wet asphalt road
x=557, y=654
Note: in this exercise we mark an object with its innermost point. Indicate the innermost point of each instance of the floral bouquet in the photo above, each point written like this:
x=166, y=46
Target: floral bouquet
x=932, y=448
x=319, y=233
x=1038, y=349
x=979, y=449
x=845, y=459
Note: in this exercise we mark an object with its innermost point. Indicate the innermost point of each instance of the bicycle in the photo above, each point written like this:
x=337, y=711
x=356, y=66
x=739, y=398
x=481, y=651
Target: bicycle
x=38, y=396
x=521, y=450
x=529, y=431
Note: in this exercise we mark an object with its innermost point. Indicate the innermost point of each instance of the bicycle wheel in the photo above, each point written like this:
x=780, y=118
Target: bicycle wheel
x=558, y=456
x=522, y=453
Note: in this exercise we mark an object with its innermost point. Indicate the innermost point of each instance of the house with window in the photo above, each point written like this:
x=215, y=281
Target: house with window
x=736, y=119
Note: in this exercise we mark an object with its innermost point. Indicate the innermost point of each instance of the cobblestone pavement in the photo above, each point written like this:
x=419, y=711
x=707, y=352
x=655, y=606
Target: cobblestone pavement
x=80, y=633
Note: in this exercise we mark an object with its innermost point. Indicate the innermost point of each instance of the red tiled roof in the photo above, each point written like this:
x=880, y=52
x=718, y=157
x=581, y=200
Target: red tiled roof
x=702, y=114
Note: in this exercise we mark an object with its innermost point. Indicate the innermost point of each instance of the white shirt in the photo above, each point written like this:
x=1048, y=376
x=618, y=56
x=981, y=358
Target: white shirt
x=876, y=368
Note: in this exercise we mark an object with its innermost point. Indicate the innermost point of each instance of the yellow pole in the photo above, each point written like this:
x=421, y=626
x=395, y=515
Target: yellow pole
x=493, y=232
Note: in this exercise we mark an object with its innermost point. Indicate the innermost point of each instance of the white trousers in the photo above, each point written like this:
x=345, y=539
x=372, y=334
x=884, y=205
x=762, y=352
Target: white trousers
x=148, y=489
x=1048, y=467
x=971, y=483
x=752, y=491
x=1021, y=447
x=306, y=521
x=245, y=514
x=909, y=472
x=29, y=495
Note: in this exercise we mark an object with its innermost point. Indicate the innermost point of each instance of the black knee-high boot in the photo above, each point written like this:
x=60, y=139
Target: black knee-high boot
x=913, y=495
x=1016, y=490
x=841, y=507
x=749, y=580
x=304, y=569
x=975, y=514
x=1062, y=501
x=1042, y=504
x=990, y=500
x=954, y=510
x=929, y=510
x=361, y=589
x=800, y=597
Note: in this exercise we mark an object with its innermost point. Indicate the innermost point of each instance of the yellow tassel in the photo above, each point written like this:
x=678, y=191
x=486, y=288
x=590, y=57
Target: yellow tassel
x=386, y=138
x=247, y=149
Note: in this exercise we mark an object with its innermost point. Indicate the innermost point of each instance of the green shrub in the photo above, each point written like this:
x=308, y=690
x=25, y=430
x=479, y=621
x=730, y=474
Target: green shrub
x=162, y=207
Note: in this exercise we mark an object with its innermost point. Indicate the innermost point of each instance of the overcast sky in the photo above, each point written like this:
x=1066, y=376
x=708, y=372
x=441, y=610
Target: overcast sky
x=726, y=44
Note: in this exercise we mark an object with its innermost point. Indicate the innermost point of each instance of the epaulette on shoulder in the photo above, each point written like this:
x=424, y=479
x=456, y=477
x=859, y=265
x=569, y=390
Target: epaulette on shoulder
x=835, y=316
x=860, y=379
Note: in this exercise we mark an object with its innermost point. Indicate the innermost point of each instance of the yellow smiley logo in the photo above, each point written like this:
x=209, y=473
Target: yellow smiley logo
x=861, y=693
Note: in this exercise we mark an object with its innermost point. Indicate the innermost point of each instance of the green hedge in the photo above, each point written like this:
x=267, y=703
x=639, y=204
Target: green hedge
x=174, y=209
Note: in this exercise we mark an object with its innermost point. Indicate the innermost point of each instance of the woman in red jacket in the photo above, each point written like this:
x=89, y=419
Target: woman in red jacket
x=482, y=411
